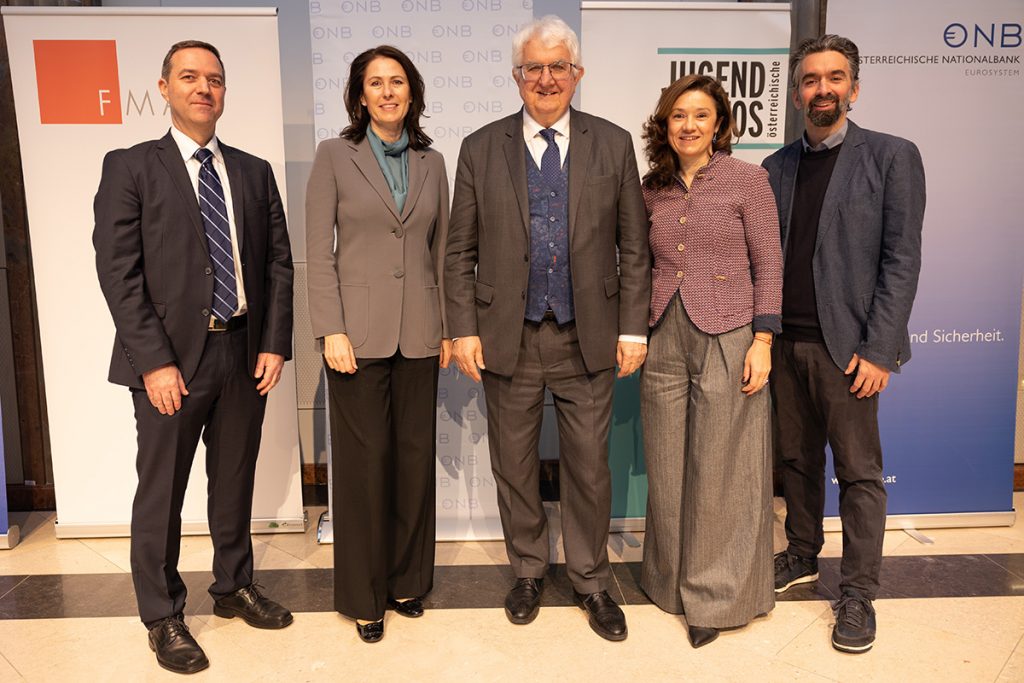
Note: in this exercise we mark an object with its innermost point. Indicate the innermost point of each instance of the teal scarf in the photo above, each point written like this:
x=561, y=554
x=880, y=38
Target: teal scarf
x=394, y=163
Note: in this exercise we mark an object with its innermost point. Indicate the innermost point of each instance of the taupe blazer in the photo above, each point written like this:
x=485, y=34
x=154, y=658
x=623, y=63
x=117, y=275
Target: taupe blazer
x=372, y=273
x=488, y=257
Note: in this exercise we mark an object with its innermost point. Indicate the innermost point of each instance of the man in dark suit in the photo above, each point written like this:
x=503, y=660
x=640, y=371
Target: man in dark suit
x=851, y=207
x=542, y=200
x=193, y=258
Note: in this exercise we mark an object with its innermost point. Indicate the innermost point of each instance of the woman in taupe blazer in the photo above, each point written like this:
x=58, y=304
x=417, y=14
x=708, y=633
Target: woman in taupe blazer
x=376, y=226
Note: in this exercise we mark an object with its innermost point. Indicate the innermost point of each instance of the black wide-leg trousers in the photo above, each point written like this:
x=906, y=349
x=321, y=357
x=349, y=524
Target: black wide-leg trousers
x=383, y=436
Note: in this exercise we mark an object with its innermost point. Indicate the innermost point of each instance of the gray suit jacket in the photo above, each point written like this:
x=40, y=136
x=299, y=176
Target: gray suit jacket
x=867, y=256
x=488, y=261
x=372, y=273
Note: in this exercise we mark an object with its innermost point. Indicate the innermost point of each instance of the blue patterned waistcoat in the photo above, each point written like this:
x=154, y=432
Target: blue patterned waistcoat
x=550, y=283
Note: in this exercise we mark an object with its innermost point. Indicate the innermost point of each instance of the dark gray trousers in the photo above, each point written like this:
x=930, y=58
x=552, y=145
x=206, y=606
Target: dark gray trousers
x=814, y=406
x=549, y=356
x=224, y=407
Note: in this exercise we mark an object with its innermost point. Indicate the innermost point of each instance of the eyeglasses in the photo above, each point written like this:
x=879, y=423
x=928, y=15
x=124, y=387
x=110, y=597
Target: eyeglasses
x=559, y=70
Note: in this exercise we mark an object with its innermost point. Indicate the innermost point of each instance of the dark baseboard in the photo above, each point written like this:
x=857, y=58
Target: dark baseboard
x=1018, y=477
x=314, y=474
x=22, y=498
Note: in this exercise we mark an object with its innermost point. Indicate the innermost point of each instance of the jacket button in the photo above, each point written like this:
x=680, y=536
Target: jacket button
x=206, y=312
x=682, y=220
x=679, y=273
x=399, y=273
x=680, y=248
x=526, y=257
x=208, y=270
x=399, y=232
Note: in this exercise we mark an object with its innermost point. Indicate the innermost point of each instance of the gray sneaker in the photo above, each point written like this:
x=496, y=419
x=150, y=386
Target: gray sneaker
x=854, y=631
x=792, y=569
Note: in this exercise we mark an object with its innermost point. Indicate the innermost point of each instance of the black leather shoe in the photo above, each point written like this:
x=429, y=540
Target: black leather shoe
x=701, y=635
x=176, y=650
x=605, y=617
x=413, y=607
x=523, y=602
x=255, y=609
x=372, y=632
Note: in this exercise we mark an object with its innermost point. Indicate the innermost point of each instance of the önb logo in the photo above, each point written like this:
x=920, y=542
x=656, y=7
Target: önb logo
x=77, y=81
x=1006, y=35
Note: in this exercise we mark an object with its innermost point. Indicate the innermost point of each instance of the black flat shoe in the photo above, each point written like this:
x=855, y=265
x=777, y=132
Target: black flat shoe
x=523, y=602
x=372, y=632
x=176, y=650
x=605, y=617
x=413, y=607
x=701, y=635
x=253, y=608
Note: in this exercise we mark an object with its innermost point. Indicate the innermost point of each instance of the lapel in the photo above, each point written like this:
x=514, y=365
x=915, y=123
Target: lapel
x=787, y=185
x=417, y=178
x=367, y=164
x=233, y=162
x=839, y=185
x=170, y=157
x=580, y=147
x=515, y=156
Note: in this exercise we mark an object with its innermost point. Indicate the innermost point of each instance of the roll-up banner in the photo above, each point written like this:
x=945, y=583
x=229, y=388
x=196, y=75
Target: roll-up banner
x=947, y=419
x=746, y=47
x=85, y=82
x=463, y=50
x=8, y=534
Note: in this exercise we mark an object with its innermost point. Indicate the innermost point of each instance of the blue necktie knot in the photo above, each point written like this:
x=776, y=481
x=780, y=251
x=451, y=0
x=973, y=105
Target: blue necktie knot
x=203, y=155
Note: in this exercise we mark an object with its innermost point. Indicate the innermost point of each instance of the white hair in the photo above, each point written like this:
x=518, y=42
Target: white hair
x=551, y=31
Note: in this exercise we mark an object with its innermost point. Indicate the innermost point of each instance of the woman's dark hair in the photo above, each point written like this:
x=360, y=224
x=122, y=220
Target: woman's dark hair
x=358, y=116
x=660, y=156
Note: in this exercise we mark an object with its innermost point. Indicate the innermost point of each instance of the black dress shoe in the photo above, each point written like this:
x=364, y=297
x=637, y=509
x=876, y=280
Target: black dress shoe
x=523, y=602
x=255, y=609
x=413, y=607
x=605, y=617
x=176, y=650
x=372, y=632
x=701, y=635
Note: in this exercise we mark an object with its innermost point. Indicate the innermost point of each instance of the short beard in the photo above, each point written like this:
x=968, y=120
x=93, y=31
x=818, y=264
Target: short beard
x=828, y=118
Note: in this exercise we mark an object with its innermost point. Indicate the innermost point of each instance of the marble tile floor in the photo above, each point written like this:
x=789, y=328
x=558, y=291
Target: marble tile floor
x=952, y=610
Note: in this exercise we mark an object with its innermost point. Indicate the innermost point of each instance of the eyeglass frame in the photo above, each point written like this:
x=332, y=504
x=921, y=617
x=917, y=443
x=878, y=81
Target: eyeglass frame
x=573, y=69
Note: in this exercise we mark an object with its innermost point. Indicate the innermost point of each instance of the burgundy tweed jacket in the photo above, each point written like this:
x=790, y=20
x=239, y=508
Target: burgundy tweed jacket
x=717, y=244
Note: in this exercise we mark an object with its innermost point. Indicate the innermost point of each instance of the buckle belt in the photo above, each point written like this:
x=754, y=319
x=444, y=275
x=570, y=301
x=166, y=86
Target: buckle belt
x=235, y=323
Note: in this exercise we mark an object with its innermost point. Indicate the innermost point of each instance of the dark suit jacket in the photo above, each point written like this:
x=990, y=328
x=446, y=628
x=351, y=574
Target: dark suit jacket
x=154, y=266
x=373, y=273
x=867, y=256
x=490, y=232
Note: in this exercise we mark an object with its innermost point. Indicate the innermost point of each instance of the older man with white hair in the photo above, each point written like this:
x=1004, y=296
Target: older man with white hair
x=548, y=287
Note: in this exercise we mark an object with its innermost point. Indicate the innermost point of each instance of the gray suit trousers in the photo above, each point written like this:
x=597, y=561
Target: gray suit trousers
x=708, y=545
x=550, y=357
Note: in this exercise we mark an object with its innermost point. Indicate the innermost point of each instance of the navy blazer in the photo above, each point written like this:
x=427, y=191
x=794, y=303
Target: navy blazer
x=867, y=256
x=154, y=264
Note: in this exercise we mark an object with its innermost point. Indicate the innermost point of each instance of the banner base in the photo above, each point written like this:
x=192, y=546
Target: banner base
x=945, y=520
x=10, y=539
x=280, y=525
x=325, y=529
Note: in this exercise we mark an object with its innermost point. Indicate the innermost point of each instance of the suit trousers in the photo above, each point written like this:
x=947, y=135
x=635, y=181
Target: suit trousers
x=550, y=357
x=383, y=441
x=814, y=406
x=224, y=407
x=707, y=445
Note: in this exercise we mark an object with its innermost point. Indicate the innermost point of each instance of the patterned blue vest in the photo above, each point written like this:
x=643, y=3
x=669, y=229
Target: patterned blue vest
x=550, y=283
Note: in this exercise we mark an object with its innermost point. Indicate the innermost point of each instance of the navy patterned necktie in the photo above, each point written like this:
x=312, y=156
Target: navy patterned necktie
x=551, y=161
x=218, y=237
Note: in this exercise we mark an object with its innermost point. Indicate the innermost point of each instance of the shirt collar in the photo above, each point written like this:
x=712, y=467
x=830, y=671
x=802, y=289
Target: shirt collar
x=187, y=146
x=831, y=142
x=532, y=129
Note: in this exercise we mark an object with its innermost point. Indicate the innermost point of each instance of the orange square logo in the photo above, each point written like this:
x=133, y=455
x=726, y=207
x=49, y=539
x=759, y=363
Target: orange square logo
x=77, y=81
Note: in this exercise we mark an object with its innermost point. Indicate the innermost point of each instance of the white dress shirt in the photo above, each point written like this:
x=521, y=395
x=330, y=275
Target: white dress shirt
x=188, y=147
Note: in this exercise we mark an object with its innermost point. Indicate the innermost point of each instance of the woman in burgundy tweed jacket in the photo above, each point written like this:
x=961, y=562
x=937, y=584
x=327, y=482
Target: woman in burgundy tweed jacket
x=716, y=302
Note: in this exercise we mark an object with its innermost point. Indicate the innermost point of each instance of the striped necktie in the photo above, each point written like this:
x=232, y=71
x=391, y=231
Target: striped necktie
x=218, y=237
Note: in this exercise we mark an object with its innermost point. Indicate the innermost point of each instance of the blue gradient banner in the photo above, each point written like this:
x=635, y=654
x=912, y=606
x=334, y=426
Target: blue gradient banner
x=947, y=419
